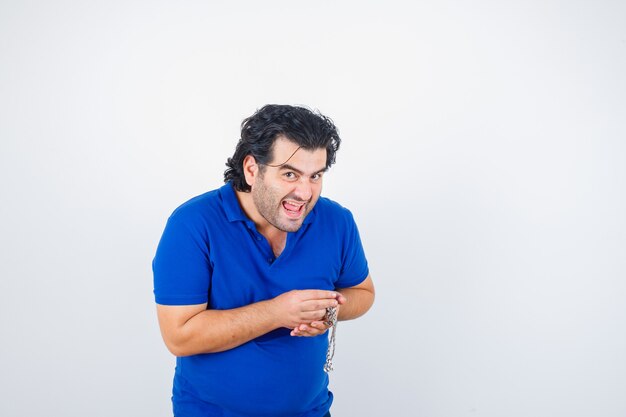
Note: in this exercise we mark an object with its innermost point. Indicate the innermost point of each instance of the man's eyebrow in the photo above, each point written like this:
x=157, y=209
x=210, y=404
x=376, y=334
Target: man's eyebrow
x=287, y=167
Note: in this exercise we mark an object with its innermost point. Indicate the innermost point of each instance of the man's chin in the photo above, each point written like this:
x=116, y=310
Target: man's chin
x=290, y=228
x=290, y=225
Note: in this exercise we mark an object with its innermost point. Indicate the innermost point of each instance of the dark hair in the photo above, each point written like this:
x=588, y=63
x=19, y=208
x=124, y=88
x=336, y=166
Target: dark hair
x=298, y=124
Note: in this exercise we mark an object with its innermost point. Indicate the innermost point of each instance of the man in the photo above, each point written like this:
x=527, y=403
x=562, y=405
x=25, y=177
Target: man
x=243, y=275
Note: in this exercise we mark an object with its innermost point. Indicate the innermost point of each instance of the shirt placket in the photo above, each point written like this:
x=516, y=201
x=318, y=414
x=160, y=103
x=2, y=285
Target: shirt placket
x=261, y=243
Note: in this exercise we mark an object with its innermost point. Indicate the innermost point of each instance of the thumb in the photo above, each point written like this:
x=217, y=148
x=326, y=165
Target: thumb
x=341, y=299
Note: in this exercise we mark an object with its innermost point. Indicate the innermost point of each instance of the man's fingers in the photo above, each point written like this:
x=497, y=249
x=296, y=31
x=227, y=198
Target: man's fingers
x=318, y=294
x=319, y=325
x=315, y=315
x=311, y=330
x=313, y=305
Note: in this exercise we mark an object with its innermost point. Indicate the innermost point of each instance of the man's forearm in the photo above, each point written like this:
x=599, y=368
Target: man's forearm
x=358, y=301
x=217, y=330
x=190, y=330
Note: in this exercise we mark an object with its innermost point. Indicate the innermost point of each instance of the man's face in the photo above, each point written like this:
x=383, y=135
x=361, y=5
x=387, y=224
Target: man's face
x=284, y=195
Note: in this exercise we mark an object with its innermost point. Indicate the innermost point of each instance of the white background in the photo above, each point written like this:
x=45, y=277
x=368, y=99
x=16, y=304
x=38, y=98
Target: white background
x=484, y=159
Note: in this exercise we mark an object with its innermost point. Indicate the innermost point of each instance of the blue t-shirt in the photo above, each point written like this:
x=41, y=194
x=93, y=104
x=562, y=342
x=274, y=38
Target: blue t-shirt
x=210, y=252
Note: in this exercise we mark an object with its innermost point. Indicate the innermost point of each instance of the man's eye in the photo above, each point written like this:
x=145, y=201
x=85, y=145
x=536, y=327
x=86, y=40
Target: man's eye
x=290, y=175
x=316, y=177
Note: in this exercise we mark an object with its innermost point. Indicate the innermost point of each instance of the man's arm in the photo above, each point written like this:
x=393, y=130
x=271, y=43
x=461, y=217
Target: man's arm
x=353, y=302
x=192, y=329
x=359, y=299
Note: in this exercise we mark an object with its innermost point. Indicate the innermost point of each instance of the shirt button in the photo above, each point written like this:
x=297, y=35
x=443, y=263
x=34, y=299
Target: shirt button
x=269, y=260
x=258, y=238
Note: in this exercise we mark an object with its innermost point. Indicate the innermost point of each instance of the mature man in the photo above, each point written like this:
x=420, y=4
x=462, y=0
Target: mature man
x=244, y=274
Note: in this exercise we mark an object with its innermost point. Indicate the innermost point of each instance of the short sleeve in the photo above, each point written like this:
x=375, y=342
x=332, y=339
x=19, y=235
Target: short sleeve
x=181, y=266
x=354, y=268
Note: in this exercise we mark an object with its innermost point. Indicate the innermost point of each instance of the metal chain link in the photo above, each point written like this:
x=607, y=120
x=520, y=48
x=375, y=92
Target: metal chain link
x=331, y=320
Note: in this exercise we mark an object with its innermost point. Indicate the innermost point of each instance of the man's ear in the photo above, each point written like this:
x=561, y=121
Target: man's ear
x=250, y=169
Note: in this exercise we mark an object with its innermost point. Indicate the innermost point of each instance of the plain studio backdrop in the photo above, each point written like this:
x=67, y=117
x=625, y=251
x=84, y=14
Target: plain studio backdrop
x=484, y=159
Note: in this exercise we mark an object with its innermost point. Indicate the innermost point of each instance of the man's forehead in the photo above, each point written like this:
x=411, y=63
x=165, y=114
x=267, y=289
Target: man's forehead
x=285, y=150
x=283, y=147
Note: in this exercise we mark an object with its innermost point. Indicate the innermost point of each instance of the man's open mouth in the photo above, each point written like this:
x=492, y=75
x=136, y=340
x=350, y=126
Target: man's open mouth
x=293, y=208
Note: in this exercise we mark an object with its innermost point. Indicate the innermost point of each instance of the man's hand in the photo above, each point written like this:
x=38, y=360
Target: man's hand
x=296, y=307
x=361, y=299
x=317, y=327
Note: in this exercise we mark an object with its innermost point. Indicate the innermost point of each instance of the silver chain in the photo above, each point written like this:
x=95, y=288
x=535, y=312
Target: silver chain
x=331, y=320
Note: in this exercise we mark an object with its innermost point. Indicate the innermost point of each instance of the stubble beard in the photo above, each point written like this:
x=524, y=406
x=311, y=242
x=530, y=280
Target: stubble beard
x=268, y=204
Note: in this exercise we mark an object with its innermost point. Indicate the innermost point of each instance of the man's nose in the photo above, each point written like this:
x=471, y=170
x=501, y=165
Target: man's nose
x=304, y=191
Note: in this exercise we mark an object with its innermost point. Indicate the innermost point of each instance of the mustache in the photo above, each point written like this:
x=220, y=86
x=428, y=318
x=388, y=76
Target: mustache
x=299, y=200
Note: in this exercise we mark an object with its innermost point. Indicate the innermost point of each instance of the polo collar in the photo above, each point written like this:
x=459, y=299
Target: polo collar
x=234, y=212
x=231, y=204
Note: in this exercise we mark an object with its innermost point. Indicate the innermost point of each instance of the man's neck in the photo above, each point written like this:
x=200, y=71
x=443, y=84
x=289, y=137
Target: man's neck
x=276, y=237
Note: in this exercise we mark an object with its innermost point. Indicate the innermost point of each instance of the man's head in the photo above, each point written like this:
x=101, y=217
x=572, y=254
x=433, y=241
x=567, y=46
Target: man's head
x=308, y=130
x=280, y=160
